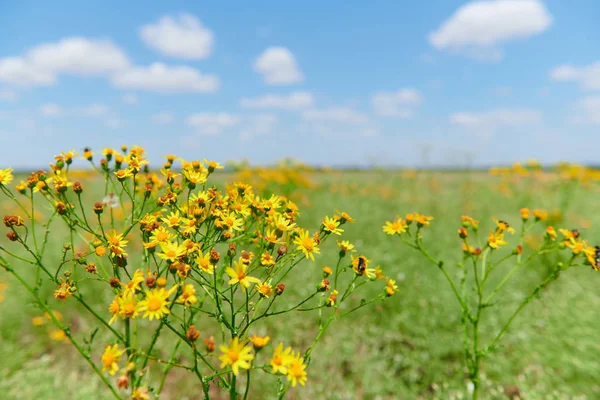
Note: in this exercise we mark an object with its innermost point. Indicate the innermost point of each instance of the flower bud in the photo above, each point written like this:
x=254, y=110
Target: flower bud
x=98, y=207
x=151, y=281
x=232, y=250
x=161, y=282
x=214, y=256
x=210, y=344
x=192, y=334
x=323, y=286
x=12, y=236
x=123, y=382
x=114, y=282
x=77, y=188
x=91, y=268
x=282, y=250
x=279, y=289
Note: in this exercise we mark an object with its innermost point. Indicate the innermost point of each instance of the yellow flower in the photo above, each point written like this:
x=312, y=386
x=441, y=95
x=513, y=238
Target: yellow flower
x=540, y=215
x=123, y=174
x=468, y=221
x=238, y=275
x=551, y=233
x=116, y=244
x=296, y=370
x=58, y=335
x=346, y=247
x=502, y=226
x=422, y=220
x=110, y=358
x=63, y=291
x=156, y=304
x=171, y=251
x=129, y=306
x=281, y=223
x=172, y=220
x=114, y=308
x=395, y=227
x=307, y=245
x=266, y=260
x=237, y=355
x=496, y=239
x=229, y=221
x=203, y=261
x=6, y=176
x=259, y=341
x=360, y=266
x=140, y=394
x=212, y=165
x=195, y=177
x=331, y=225
x=271, y=237
x=391, y=286
x=524, y=214
x=188, y=295
x=281, y=359
x=38, y=321
x=135, y=284
x=343, y=217
x=160, y=235
x=264, y=289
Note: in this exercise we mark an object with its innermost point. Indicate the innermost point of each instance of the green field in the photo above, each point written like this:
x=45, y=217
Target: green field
x=407, y=347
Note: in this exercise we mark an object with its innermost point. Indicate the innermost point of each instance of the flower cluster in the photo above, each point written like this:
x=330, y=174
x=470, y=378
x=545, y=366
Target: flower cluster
x=483, y=259
x=175, y=257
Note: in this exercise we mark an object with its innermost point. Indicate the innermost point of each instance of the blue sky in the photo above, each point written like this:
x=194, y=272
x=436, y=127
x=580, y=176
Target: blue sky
x=360, y=83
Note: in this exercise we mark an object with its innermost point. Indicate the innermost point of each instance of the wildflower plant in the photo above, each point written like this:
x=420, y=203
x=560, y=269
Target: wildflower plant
x=176, y=274
x=484, y=271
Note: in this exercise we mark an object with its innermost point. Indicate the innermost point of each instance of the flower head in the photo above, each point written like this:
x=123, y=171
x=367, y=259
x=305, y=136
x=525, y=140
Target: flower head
x=156, y=304
x=238, y=275
x=237, y=355
x=307, y=244
x=331, y=225
x=110, y=358
x=395, y=227
x=296, y=370
x=281, y=359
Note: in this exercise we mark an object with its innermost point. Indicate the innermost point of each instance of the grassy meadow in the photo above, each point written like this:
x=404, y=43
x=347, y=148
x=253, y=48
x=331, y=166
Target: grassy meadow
x=407, y=347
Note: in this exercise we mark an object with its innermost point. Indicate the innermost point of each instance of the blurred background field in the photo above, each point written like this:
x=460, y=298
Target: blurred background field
x=404, y=348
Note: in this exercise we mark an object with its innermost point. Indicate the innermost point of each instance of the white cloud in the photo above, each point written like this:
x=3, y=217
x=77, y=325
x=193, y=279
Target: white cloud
x=74, y=55
x=477, y=28
x=130, y=98
x=278, y=66
x=335, y=114
x=182, y=37
x=89, y=111
x=92, y=110
x=488, y=122
x=51, y=110
x=79, y=56
x=293, y=101
x=588, y=110
x=212, y=123
x=162, y=78
x=587, y=77
x=7, y=95
x=258, y=125
x=162, y=118
x=396, y=104
x=17, y=71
